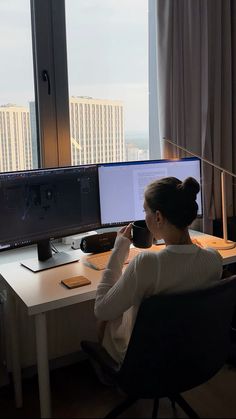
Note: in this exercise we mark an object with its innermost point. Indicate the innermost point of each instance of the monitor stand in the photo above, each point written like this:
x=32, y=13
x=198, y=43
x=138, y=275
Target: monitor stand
x=47, y=260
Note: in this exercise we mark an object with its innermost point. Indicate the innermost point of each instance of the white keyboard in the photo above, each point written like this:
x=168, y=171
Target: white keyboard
x=100, y=261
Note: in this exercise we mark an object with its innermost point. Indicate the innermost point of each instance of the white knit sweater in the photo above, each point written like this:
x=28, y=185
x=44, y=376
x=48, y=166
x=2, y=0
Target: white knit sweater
x=175, y=268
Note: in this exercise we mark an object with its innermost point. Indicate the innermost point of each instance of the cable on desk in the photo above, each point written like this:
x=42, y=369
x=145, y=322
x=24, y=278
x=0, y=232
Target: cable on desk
x=53, y=247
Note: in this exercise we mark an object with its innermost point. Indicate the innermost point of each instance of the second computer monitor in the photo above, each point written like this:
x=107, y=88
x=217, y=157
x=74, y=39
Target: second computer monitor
x=121, y=186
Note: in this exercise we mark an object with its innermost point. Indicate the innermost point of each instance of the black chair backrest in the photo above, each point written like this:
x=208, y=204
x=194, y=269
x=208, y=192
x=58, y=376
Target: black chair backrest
x=179, y=340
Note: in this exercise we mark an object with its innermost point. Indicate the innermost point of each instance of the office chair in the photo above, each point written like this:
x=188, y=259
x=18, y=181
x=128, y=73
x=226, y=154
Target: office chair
x=179, y=341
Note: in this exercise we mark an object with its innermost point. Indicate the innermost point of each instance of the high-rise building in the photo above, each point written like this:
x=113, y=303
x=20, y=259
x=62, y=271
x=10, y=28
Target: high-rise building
x=15, y=138
x=97, y=130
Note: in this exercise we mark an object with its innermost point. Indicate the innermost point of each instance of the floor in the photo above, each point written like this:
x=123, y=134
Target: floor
x=77, y=393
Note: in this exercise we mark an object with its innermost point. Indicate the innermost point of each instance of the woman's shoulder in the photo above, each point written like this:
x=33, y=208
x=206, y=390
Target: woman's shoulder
x=148, y=256
x=212, y=252
x=162, y=255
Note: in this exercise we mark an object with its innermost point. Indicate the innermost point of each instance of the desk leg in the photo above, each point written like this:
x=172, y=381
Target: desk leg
x=14, y=348
x=42, y=363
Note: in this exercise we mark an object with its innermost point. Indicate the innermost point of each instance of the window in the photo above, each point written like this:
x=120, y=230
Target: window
x=88, y=98
x=18, y=148
x=107, y=45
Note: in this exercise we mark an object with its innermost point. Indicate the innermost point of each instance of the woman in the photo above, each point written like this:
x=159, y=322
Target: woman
x=170, y=207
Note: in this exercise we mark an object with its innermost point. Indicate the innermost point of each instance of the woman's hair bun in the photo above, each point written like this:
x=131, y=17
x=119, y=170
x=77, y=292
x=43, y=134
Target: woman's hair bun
x=190, y=187
x=176, y=200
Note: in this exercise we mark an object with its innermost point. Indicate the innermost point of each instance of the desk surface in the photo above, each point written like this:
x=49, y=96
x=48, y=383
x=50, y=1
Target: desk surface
x=43, y=291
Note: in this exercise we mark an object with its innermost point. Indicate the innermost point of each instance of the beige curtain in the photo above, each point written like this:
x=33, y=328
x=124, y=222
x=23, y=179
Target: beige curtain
x=196, y=80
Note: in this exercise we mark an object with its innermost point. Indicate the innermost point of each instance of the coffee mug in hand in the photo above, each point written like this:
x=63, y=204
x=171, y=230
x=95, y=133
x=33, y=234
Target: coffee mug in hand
x=142, y=237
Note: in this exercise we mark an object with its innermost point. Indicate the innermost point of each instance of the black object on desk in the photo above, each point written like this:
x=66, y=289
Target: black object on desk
x=98, y=243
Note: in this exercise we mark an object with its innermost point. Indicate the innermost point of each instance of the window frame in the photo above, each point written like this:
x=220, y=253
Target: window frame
x=154, y=133
x=52, y=108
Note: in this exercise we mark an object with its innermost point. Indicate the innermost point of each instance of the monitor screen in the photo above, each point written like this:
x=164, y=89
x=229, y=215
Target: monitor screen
x=121, y=186
x=38, y=205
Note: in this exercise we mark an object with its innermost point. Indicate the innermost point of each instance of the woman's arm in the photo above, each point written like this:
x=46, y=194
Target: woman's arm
x=119, y=255
x=115, y=296
x=116, y=291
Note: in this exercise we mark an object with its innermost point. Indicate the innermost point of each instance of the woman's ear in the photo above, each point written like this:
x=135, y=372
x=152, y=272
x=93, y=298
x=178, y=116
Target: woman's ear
x=159, y=217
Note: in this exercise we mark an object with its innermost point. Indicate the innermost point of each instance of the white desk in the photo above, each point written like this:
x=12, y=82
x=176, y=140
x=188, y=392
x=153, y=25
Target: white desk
x=43, y=291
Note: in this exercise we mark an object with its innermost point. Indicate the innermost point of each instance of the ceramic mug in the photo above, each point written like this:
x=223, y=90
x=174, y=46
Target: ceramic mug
x=142, y=237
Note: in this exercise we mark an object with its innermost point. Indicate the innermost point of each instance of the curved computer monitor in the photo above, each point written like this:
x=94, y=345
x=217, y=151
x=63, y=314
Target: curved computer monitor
x=40, y=205
x=121, y=186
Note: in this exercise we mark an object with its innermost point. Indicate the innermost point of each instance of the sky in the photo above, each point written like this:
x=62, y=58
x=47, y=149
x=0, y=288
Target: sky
x=107, y=48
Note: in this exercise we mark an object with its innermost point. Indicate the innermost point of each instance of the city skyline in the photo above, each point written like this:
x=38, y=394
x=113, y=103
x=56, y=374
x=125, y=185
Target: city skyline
x=139, y=137
x=111, y=64
x=96, y=133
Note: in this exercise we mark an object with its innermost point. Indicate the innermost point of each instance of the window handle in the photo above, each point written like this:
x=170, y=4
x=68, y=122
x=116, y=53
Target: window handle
x=45, y=77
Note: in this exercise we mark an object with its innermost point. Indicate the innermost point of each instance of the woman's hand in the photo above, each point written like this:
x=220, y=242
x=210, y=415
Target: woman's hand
x=125, y=232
